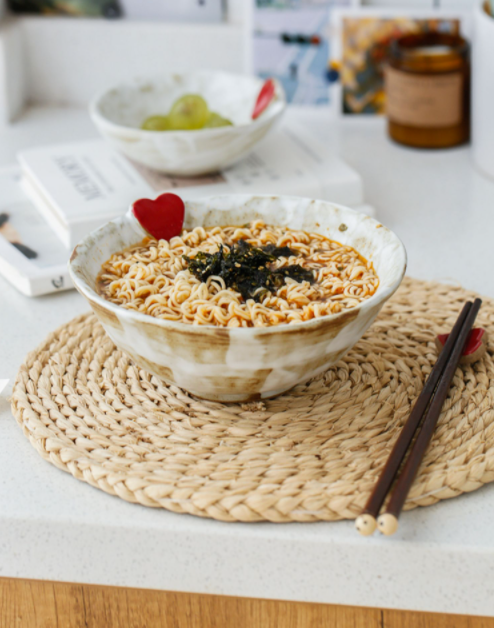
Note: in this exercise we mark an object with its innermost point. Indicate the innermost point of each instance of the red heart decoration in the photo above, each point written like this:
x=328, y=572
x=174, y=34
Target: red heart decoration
x=265, y=97
x=474, y=341
x=162, y=218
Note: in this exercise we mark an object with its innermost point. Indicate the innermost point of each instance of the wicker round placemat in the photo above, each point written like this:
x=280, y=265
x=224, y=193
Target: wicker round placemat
x=312, y=454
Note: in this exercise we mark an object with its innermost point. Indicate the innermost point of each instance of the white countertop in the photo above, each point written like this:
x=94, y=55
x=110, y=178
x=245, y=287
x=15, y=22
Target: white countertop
x=442, y=559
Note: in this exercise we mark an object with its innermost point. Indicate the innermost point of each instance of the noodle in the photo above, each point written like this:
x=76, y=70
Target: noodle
x=152, y=278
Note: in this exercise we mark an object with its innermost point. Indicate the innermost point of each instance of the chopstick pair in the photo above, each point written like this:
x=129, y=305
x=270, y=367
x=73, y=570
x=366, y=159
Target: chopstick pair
x=427, y=407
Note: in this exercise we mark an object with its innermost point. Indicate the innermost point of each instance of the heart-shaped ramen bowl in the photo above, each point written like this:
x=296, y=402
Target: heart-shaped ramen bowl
x=243, y=364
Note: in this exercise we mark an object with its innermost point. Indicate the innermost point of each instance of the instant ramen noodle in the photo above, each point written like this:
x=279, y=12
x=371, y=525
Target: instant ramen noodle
x=254, y=275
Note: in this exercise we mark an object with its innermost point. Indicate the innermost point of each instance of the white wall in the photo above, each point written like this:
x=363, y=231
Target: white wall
x=68, y=60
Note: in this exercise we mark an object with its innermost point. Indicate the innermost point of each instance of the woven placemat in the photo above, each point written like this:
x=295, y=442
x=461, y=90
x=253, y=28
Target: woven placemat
x=312, y=454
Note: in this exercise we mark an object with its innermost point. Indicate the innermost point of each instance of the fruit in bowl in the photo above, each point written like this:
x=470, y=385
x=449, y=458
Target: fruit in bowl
x=188, y=113
x=188, y=124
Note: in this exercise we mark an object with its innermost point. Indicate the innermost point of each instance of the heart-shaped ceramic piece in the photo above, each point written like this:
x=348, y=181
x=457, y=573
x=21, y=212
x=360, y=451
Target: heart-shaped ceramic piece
x=162, y=218
x=265, y=97
x=475, y=347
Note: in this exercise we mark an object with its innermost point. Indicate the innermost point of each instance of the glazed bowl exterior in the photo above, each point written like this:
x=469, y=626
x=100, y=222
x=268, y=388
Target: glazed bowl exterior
x=118, y=113
x=243, y=364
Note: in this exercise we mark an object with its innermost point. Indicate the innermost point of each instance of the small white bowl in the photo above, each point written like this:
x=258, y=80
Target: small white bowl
x=243, y=364
x=119, y=112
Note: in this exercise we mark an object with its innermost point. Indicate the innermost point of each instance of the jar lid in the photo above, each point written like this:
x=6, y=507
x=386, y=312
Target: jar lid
x=429, y=51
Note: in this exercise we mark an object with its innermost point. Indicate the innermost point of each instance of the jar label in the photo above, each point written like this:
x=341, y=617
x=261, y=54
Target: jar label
x=423, y=100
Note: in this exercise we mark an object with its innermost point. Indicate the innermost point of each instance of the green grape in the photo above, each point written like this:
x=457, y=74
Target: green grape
x=188, y=112
x=215, y=120
x=156, y=123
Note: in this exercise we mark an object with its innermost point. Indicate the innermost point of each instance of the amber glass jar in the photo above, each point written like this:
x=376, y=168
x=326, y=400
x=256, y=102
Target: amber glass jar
x=427, y=90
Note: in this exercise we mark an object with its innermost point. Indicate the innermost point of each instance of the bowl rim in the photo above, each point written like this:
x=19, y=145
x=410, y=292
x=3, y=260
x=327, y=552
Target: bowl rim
x=131, y=315
x=99, y=118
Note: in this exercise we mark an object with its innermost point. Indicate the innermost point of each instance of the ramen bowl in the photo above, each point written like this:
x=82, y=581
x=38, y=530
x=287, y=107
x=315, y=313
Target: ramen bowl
x=243, y=364
x=119, y=112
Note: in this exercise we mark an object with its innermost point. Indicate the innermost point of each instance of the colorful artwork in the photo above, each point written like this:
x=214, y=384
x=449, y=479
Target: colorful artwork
x=365, y=49
x=91, y=8
x=291, y=43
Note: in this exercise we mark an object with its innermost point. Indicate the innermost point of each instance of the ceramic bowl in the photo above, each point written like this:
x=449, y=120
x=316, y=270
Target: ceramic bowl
x=119, y=112
x=243, y=364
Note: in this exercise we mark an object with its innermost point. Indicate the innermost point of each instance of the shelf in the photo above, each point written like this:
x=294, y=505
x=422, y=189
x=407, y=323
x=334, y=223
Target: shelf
x=65, y=61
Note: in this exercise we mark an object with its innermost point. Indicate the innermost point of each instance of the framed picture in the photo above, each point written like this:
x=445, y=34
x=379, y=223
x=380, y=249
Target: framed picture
x=291, y=41
x=75, y=8
x=361, y=49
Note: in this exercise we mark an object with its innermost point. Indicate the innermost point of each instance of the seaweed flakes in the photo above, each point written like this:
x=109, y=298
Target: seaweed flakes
x=277, y=251
x=247, y=269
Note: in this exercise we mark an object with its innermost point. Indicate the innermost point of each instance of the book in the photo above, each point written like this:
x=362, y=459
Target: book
x=32, y=258
x=78, y=187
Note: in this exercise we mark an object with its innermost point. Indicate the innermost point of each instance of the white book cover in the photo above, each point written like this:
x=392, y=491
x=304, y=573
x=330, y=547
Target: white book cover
x=31, y=256
x=80, y=186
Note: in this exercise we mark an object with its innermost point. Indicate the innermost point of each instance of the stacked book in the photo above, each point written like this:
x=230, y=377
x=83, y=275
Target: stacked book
x=58, y=194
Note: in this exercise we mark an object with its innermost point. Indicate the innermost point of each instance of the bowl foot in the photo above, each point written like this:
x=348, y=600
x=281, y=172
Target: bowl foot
x=240, y=397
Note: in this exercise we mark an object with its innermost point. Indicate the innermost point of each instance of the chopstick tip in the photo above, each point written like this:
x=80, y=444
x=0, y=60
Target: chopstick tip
x=387, y=524
x=365, y=524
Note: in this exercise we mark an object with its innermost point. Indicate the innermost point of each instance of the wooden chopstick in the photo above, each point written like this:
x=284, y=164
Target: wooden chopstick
x=366, y=523
x=388, y=521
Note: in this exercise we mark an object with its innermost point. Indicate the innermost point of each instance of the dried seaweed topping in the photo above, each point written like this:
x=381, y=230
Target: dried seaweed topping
x=277, y=251
x=247, y=269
